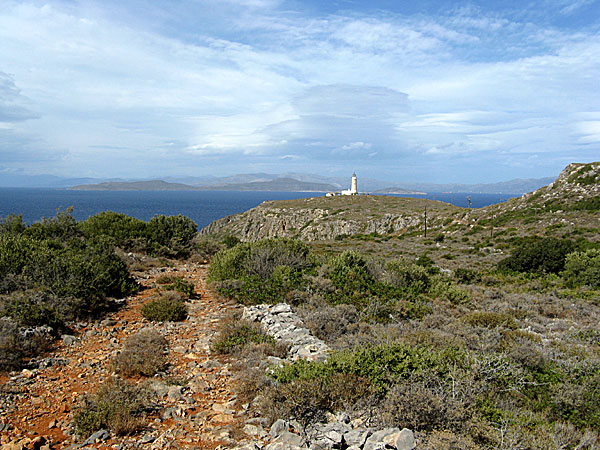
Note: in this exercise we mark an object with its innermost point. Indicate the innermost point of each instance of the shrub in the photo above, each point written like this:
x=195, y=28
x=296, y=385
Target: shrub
x=32, y=308
x=383, y=364
x=583, y=268
x=234, y=334
x=309, y=399
x=17, y=343
x=538, y=255
x=124, y=231
x=12, y=224
x=444, y=288
x=488, y=319
x=117, y=405
x=413, y=277
x=142, y=354
x=171, y=236
x=467, y=276
x=165, y=309
x=179, y=284
x=11, y=345
x=424, y=406
x=330, y=322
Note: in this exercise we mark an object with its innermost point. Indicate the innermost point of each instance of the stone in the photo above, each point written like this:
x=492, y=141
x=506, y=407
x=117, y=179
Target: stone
x=279, y=426
x=289, y=439
x=98, y=436
x=174, y=393
x=255, y=430
x=28, y=373
x=159, y=388
x=356, y=437
x=376, y=440
x=148, y=439
x=402, y=440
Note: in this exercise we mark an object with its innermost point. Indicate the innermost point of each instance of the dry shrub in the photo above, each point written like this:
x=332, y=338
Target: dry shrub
x=488, y=319
x=447, y=440
x=423, y=407
x=330, y=322
x=308, y=400
x=117, y=405
x=167, y=307
x=143, y=354
x=234, y=334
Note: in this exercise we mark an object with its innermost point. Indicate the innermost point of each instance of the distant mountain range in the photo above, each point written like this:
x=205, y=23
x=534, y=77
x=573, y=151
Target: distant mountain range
x=279, y=184
x=269, y=182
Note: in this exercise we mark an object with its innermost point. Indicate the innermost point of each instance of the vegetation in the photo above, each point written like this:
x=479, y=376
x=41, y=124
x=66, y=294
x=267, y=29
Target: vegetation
x=59, y=270
x=142, y=354
x=165, y=308
x=117, y=405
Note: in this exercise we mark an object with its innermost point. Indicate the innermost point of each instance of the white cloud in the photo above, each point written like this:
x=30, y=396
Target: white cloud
x=297, y=87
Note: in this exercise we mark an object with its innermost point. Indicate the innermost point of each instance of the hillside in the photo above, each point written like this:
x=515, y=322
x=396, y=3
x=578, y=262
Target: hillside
x=574, y=194
x=151, y=185
x=278, y=184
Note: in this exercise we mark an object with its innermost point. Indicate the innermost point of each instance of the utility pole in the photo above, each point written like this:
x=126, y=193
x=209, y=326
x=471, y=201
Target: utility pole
x=425, y=220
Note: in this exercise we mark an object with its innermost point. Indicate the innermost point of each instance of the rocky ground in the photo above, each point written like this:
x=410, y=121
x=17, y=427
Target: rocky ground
x=196, y=406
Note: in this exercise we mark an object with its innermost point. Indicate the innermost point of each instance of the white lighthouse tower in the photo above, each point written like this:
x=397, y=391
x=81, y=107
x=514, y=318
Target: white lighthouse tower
x=353, y=187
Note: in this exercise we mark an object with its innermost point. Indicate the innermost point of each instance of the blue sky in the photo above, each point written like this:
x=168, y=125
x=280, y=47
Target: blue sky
x=433, y=91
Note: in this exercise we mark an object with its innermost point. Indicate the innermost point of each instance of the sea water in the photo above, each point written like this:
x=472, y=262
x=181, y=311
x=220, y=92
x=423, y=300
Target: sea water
x=202, y=207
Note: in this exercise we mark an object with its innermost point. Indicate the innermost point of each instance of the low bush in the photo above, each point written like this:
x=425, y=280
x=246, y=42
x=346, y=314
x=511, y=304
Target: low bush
x=583, y=268
x=12, y=345
x=117, y=405
x=467, y=276
x=538, y=255
x=166, y=308
x=171, y=236
x=124, y=231
x=142, y=354
x=182, y=285
x=234, y=334
x=488, y=319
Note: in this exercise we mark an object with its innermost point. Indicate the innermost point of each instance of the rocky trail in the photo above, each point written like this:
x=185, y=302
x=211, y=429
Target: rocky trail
x=196, y=405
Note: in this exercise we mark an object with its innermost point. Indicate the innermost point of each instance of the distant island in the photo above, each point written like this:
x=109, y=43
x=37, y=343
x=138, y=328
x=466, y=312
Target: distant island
x=279, y=184
x=397, y=190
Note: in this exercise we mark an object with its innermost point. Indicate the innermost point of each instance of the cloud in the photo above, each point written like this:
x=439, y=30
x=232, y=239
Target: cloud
x=12, y=107
x=265, y=81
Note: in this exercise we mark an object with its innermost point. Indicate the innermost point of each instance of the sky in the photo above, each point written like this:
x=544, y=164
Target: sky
x=421, y=91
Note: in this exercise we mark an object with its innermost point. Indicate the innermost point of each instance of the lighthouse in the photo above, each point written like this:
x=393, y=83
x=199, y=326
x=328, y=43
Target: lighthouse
x=353, y=187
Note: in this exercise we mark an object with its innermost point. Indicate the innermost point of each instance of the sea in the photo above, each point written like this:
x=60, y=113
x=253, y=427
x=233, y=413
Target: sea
x=202, y=207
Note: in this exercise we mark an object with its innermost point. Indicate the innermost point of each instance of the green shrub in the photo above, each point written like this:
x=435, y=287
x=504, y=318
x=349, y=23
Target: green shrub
x=182, y=285
x=12, y=224
x=467, y=276
x=444, y=288
x=383, y=364
x=124, y=231
x=171, y=236
x=32, y=309
x=489, y=319
x=12, y=347
x=142, y=354
x=165, y=309
x=583, y=268
x=413, y=277
x=539, y=255
x=118, y=406
x=234, y=334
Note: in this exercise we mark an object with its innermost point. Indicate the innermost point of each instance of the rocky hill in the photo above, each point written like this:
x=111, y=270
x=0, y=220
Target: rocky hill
x=572, y=199
x=325, y=218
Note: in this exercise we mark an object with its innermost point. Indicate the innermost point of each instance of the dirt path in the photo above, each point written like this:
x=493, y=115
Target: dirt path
x=197, y=403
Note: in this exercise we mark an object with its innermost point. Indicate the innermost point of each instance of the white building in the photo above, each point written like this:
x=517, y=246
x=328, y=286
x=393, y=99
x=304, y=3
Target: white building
x=353, y=187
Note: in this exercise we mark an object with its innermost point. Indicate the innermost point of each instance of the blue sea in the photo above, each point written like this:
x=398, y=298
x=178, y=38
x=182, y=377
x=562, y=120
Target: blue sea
x=202, y=207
